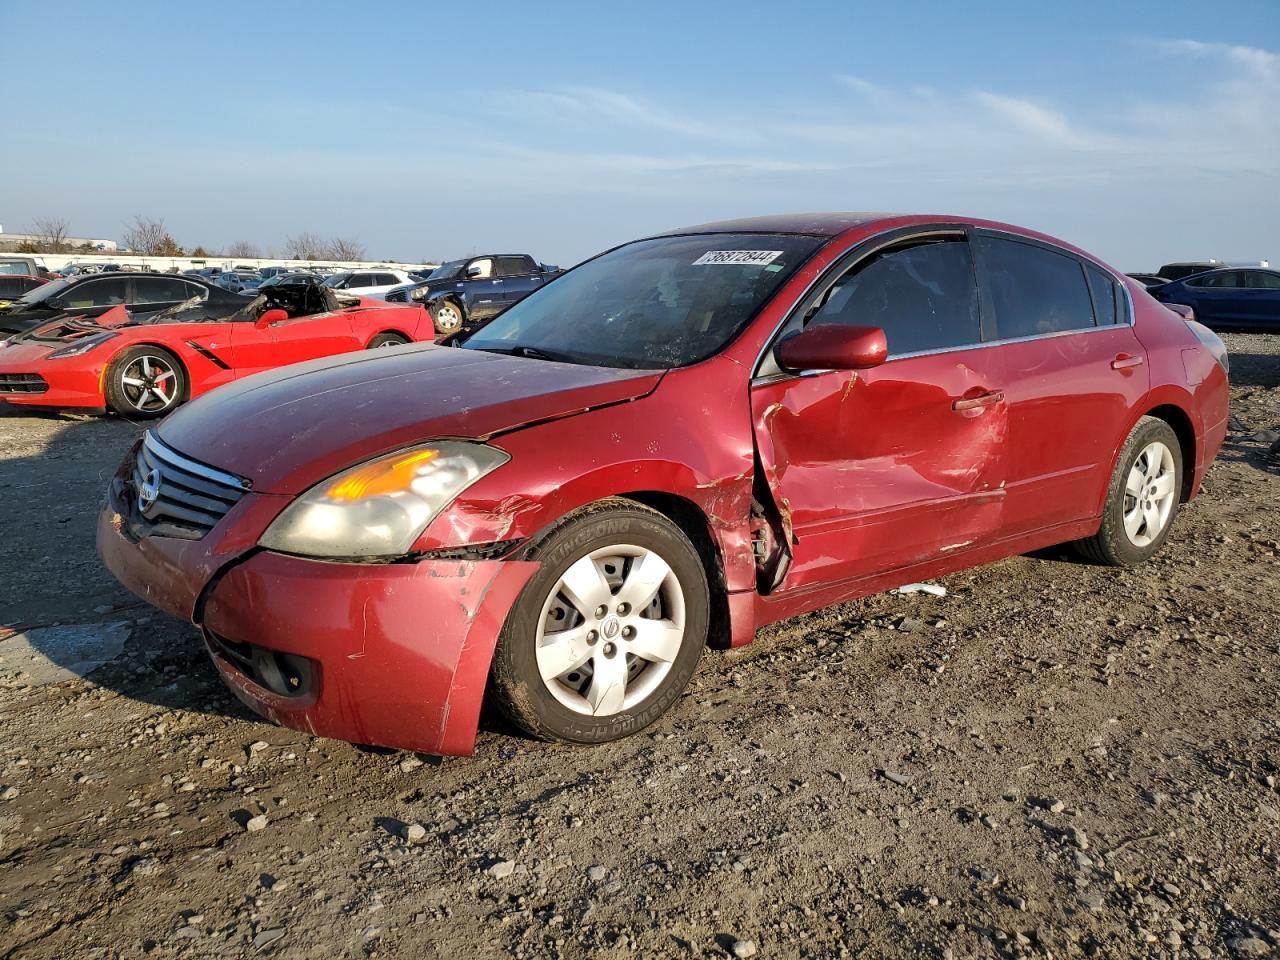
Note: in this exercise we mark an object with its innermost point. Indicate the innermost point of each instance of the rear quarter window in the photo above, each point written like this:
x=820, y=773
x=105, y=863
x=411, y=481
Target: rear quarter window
x=1108, y=298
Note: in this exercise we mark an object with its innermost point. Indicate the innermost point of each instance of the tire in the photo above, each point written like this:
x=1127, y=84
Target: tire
x=386, y=340
x=447, y=317
x=607, y=552
x=1142, y=498
x=145, y=382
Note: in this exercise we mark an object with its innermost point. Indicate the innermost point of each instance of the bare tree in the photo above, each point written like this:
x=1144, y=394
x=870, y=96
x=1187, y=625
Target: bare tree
x=150, y=238
x=346, y=248
x=243, y=248
x=306, y=246
x=50, y=233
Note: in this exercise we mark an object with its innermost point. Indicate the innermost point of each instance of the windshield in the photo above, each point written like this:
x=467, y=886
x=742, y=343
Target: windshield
x=447, y=271
x=653, y=304
x=44, y=292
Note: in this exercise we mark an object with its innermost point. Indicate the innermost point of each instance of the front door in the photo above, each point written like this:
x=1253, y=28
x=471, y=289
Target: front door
x=883, y=468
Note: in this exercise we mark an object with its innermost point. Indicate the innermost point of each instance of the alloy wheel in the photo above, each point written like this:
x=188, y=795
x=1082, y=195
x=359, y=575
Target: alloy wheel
x=610, y=630
x=1149, y=494
x=149, y=383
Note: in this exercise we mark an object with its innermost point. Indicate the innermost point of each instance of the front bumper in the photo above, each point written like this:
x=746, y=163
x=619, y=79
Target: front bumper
x=67, y=383
x=390, y=654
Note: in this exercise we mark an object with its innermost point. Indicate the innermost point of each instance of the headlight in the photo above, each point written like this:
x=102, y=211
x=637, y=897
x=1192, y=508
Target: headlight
x=379, y=508
x=83, y=345
x=418, y=293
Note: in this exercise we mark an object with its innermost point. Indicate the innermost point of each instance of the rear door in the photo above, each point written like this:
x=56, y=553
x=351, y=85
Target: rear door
x=1218, y=297
x=153, y=294
x=520, y=277
x=1072, y=371
x=882, y=468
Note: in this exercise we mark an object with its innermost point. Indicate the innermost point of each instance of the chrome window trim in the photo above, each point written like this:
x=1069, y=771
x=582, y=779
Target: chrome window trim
x=959, y=229
x=164, y=452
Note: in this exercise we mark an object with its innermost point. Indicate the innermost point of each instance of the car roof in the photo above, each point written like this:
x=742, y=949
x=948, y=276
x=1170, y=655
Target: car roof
x=818, y=224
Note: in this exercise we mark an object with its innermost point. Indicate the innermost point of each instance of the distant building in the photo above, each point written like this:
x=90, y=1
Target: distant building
x=11, y=242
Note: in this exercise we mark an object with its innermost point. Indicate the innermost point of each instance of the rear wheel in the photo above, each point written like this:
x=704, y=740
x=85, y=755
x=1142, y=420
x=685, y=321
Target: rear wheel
x=1142, y=499
x=387, y=340
x=447, y=317
x=145, y=382
x=607, y=633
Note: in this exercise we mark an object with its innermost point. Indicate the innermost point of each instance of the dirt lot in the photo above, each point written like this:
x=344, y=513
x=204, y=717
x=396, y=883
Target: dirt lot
x=1053, y=760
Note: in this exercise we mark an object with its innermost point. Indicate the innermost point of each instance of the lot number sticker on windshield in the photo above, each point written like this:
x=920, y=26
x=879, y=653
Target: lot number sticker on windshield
x=756, y=257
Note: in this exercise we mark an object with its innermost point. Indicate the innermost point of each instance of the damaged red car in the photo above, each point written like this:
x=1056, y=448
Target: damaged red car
x=143, y=365
x=670, y=445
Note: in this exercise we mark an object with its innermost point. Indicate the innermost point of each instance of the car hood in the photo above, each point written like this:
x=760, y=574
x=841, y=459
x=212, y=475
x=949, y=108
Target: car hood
x=291, y=428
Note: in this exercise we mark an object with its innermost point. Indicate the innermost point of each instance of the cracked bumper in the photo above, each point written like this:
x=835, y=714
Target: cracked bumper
x=391, y=654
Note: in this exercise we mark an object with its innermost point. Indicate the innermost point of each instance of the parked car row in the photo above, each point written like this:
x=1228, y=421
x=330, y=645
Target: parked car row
x=141, y=344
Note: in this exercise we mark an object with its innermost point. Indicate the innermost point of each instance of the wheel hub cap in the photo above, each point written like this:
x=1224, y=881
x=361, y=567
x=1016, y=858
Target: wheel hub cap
x=610, y=630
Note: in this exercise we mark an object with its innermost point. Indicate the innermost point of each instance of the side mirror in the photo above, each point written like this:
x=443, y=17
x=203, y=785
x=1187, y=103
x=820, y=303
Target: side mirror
x=833, y=347
x=274, y=315
x=474, y=271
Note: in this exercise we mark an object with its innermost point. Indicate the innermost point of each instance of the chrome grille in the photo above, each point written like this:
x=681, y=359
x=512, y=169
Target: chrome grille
x=173, y=490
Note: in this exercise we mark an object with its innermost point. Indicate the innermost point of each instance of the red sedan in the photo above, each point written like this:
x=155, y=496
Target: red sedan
x=672, y=444
x=144, y=366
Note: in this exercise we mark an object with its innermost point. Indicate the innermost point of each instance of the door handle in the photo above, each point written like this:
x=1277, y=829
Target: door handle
x=981, y=400
x=1124, y=361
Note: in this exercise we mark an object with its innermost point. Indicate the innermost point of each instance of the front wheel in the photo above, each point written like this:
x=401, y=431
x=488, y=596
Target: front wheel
x=386, y=340
x=145, y=382
x=447, y=317
x=1142, y=499
x=607, y=633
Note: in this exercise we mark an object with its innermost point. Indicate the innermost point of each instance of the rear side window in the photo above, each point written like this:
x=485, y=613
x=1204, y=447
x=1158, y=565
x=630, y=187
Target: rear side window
x=160, y=290
x=1107, y=299
x=923, y=296
x=1034, y=291
x=514, y=266
x=1223, y=278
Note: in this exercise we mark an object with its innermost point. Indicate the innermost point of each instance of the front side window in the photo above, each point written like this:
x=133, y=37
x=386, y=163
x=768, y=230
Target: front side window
x=922, y=294
x=359, y=280
x=100, y=293
x=652, y=304
x=1034, y=291
x=484, y=268
x=1263, y=280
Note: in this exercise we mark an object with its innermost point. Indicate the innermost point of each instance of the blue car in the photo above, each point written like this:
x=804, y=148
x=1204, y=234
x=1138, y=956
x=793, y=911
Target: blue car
x=1241, y=298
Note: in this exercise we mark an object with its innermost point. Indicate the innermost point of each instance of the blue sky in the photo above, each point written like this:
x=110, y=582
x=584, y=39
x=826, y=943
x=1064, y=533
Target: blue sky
x=1141, y=131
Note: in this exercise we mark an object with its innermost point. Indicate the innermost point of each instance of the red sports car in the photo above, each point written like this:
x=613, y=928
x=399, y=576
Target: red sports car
x=143, y=367
x=676, y=442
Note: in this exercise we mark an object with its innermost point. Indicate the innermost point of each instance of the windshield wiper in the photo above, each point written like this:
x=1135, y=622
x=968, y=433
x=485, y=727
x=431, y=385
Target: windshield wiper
x=533, y=353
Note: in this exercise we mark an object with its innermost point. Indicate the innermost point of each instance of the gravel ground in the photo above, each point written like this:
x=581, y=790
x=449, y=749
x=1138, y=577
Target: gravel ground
x=1053, y=760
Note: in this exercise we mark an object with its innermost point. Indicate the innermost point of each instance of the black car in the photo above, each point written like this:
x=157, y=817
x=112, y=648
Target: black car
x=1233, y=298
x=14, y=287
x=93, y=295
x=1148, y=280
x=465, y=293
